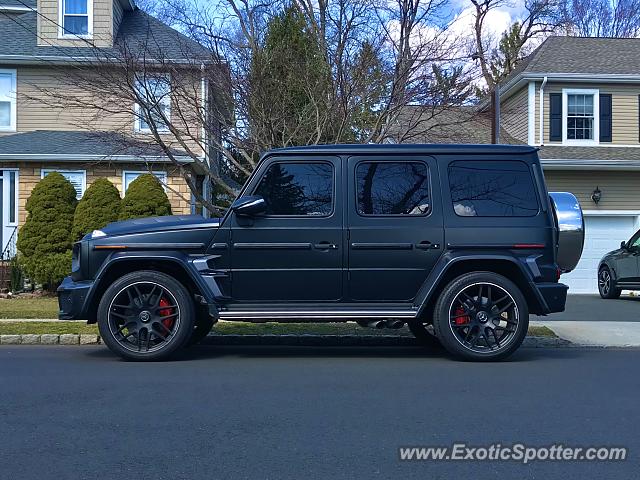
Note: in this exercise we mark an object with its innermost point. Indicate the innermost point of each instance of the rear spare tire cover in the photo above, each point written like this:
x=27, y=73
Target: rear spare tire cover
x=570, y=225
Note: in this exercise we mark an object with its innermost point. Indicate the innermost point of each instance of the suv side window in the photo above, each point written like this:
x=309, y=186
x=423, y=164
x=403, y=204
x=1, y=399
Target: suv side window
x=634, y=243
x=392, y=188
x=492, y=189
x=298, y=189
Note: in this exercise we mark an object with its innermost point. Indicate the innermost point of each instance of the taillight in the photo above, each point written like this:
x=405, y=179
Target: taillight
x=558, y=273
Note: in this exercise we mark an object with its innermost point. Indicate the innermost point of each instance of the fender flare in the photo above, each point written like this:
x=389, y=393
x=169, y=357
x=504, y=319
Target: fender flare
x=434, y=282
x=612, y=268
x=179, y=259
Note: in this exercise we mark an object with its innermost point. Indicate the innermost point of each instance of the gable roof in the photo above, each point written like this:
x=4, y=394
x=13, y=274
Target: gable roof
x=583, y=55
x=449, y=125
x=582, y=59
x=139, y=34
x=617, y=56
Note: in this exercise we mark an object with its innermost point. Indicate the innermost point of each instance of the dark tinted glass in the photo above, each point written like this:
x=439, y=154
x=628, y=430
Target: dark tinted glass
x=392, y=188
x=297, y=189
x=492, y=189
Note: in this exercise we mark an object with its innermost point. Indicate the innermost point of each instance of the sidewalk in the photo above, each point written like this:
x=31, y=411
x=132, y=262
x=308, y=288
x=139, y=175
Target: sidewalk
x=590, y=333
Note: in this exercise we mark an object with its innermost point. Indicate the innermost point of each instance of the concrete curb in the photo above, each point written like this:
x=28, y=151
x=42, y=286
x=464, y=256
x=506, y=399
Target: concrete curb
x=291, y=340
x=49, y=339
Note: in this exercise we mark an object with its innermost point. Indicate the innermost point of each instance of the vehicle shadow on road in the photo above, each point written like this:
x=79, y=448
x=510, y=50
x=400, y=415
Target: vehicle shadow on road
x=204, y=352
x=629, y=298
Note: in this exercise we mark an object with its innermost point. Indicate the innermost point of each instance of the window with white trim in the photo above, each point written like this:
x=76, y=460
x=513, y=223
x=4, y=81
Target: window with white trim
x=76, y=18
x=130, y=176
x=77, y=178
x=155, y=92
x=580, y=117
x=7, y=100
x=580, y=122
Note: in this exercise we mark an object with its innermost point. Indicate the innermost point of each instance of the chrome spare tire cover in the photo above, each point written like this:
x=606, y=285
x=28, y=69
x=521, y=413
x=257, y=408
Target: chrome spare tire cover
x=570, y=225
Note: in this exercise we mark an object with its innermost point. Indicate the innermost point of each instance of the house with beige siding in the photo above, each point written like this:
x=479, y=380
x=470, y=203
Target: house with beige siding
x=578, y=100
x=43, y=44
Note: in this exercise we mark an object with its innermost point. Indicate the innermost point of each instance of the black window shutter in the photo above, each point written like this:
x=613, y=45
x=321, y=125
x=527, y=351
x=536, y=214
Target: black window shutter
x=555, y=116
x=605, y=117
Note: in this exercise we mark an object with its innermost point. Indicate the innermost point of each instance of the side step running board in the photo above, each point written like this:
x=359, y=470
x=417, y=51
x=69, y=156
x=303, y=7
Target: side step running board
x=328, y=314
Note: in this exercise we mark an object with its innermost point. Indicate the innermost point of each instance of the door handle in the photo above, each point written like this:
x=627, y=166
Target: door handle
x=325, y=246
x=427, y=245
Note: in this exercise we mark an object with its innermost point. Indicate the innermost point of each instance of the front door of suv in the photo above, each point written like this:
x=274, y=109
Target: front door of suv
x=292, y=253
x=395, y=223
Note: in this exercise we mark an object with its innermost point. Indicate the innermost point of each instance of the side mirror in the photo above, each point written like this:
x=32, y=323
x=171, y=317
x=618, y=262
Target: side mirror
x=249, y=206
x=623, y=245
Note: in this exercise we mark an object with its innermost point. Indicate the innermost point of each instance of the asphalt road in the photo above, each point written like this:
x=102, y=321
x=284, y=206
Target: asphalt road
x=313, y=413
x=595, y=309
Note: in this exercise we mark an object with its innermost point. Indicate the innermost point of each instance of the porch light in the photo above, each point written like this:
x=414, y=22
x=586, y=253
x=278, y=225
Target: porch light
x=596, y=195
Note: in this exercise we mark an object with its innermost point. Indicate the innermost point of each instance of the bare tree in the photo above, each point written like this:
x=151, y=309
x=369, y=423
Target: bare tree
x=498, y=57
x=601, y=18
x=381, y=58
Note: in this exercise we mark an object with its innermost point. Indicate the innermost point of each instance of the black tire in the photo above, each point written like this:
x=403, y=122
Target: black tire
x=201, y=329
x=607, y=285
x=145, y=324
x=425, y=336
x=501, y=317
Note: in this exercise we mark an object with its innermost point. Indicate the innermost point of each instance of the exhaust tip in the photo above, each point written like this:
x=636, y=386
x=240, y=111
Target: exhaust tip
x=376, y=324
x=394, y=324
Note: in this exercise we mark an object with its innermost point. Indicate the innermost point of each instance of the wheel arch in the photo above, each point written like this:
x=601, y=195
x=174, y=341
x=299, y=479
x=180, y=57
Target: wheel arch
x=116, y=267
x=610, y=265
x=508, y=267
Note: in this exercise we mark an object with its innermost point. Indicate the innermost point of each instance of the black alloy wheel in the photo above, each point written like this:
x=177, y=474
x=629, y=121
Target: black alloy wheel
x=606, y=284
x=481, y=316
x=145, y=316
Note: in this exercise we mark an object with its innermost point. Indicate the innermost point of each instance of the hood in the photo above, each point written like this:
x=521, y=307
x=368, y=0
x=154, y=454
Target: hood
x=158, y=224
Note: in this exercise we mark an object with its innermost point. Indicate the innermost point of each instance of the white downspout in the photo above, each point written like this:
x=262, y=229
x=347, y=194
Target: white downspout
x=544, y=82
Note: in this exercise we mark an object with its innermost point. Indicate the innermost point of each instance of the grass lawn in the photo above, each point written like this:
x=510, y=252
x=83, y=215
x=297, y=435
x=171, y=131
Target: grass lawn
x=230, y=328
x=39, y=328
x=29, y=307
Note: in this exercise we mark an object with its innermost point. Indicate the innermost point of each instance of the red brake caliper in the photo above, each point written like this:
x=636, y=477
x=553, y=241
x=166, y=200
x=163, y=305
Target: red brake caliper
x=461, y=320
x=165, y=312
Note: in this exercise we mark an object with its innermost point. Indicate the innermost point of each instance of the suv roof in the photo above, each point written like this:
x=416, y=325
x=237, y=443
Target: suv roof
x=428, y=148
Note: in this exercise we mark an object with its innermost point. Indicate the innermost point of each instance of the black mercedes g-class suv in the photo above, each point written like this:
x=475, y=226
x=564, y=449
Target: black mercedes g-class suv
x=461, y=243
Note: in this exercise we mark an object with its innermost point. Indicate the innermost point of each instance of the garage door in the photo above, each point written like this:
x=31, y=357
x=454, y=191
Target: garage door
x=602, y=234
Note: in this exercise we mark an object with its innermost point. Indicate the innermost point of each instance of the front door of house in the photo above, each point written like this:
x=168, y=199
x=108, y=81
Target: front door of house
x=8, y=209
x=1, y=212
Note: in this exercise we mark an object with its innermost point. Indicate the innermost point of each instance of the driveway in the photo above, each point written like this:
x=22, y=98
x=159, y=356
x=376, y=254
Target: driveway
x=592, y=308
x=225, y=412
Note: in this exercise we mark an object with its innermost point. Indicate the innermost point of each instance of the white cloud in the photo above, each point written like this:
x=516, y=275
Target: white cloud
x=495, y=23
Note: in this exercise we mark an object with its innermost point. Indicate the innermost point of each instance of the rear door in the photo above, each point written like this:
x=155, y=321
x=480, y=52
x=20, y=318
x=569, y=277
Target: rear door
x=395, y=227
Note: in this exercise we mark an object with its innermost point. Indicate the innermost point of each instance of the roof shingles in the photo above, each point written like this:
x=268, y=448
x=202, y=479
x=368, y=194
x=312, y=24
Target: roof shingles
x=618, y=56
x=139, y=34
x=77, y=143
